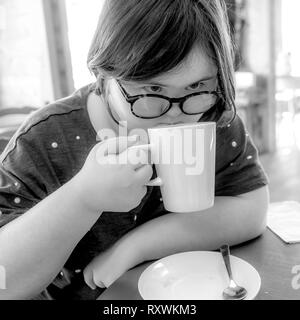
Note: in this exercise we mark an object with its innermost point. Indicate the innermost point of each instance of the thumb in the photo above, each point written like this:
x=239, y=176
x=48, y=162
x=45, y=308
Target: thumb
x=113, y=146
x=123, y=143
x=116, y=145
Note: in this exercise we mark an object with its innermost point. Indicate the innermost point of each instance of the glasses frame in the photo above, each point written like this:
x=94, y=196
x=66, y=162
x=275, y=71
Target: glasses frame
x=132, y=99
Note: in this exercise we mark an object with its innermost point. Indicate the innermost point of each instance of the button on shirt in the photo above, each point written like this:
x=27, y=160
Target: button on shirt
x=51, y=147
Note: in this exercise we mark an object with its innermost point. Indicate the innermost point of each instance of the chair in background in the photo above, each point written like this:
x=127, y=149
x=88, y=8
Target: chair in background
x=10, y=120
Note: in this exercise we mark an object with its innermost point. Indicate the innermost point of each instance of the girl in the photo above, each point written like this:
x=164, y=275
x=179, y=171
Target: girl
x=69, y=224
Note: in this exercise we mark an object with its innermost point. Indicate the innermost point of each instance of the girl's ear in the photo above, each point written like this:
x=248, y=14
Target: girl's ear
x=100, y=83
x=102, y=86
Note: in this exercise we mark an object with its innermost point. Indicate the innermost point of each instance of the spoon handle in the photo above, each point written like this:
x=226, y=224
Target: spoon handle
x=226, y=257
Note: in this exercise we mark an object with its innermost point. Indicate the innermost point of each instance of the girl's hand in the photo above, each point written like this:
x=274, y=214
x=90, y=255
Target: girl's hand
x=107, y=267
x=109, y=181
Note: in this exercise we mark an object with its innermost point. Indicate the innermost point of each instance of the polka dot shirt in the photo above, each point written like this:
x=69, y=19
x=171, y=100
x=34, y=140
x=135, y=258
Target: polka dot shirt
x=52, y=145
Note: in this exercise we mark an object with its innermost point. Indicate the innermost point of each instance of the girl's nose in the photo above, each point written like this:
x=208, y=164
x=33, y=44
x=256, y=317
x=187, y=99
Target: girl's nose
x=175, y=111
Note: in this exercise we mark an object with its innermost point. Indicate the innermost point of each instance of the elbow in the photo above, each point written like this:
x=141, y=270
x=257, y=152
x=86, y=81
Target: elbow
x=256, y=222
x=257, y=230
x=19, y=294
x=249, y=231
x=13, y=288
x=15, y=293
x=252, y=234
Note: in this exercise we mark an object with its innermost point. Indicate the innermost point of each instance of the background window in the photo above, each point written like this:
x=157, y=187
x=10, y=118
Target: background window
x=24, y=61
x=82, y=22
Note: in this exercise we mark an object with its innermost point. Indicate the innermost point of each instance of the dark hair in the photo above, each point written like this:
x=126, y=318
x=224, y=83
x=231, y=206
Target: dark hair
x=140, y=39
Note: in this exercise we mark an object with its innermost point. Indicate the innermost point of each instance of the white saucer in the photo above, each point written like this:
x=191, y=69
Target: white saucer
x=197, y=275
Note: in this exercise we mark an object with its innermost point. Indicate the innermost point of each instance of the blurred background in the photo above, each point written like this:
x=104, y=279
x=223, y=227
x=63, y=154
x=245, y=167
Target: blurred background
x=44, y=45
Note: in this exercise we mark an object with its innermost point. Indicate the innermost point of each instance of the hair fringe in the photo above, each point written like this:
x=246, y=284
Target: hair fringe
x=140, y=39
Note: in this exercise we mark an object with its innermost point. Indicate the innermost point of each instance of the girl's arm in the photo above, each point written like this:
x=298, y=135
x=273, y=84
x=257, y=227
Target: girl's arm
x=232, y=220
x=35, y=246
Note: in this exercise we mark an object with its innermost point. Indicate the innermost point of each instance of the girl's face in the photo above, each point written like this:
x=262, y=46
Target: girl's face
x=196, y=74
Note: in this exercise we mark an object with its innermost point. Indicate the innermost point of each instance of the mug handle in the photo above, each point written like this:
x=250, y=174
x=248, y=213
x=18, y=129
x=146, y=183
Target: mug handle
x=157, y=182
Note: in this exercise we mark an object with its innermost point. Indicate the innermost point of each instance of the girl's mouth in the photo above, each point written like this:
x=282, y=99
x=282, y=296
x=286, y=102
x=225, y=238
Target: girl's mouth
x=168, y=124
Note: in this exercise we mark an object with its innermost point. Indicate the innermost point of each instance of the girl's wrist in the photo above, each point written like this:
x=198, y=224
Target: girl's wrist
x=76, y=189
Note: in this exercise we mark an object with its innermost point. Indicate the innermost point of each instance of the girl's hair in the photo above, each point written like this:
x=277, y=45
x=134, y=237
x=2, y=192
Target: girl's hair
x=140, y=39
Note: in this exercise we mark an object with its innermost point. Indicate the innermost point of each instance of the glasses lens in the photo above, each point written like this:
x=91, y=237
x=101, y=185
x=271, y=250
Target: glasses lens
x=150, y=107
x=199, y=104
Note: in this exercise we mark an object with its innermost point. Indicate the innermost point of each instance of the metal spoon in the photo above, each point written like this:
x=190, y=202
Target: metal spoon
x=233, y=291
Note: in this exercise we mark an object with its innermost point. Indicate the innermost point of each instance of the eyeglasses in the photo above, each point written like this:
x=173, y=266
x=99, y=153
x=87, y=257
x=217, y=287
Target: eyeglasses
x=151, y=106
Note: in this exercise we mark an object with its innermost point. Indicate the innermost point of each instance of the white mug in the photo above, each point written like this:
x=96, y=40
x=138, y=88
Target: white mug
x=184, y=158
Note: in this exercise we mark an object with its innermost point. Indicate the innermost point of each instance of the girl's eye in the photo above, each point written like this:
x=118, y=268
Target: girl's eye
x=196, y=86
x=153, y=89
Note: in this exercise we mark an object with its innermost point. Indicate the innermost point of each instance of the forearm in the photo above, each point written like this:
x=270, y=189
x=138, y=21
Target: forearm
x=34, y=247
x=232, y=220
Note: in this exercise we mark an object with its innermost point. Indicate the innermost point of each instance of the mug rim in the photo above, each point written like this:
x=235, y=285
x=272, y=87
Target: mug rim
x=184, y=125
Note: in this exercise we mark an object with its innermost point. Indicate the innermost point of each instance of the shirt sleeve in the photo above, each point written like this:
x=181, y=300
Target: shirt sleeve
x=24, y=177
x=238, y=169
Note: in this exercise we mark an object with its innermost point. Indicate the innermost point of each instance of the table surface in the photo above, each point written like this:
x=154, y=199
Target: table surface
x=270, y=256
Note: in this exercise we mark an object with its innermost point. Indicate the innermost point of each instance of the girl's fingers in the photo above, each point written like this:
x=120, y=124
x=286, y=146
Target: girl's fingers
x=101, y=285
x=89, y=280
x=137, y=156
x=115, y=146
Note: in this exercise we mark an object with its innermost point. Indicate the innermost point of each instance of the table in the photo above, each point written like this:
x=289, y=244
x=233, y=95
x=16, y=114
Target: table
x=273, y=259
